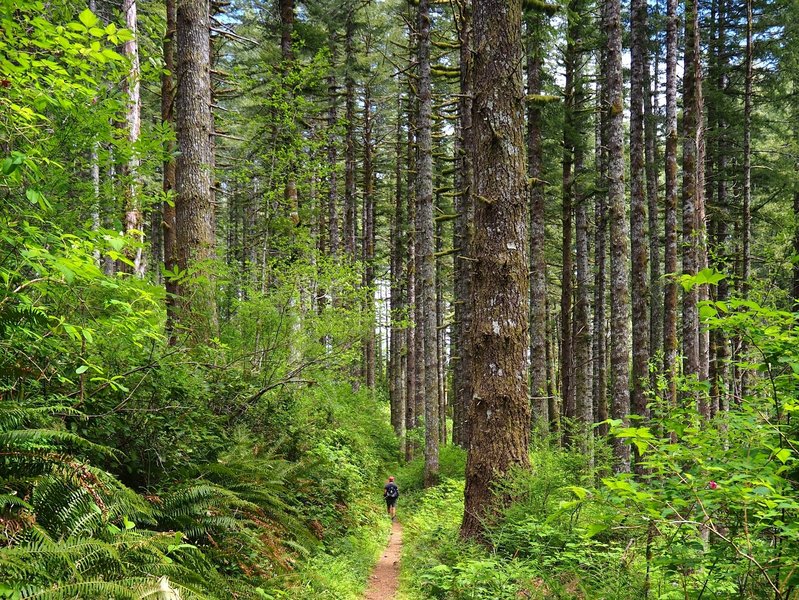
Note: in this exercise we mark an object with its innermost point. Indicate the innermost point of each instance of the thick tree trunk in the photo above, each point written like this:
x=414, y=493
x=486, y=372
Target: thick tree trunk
x=638, y=217
x=670, y=367
x=425, y=247
x=538, y=282
x=499, y=416
x=619, y=232
x=194, y=210
x=462, y=376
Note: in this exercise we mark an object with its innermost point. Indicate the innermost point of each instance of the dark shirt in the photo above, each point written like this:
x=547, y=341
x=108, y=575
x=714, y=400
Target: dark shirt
x=388, y=486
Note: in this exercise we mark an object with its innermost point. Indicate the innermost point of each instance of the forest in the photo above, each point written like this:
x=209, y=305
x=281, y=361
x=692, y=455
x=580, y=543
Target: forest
x=536, y=260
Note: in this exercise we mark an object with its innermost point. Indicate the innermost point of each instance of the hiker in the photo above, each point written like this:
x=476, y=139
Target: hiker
x=391, y=493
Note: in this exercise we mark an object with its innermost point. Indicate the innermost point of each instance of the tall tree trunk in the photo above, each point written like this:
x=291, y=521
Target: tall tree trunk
x=651, y=90
x=638, y=217
x=350, y=210
x=332, y=156
x=499, y=417
x=747, y=159
x=133, y=217
x=425, y=247
x=194, y=210
x=462, y=376
x=287, y=54
x=690, y=188
x=538, y=282
x=619, y=232
x=568, y=400
x=415, y=360
x=600, y=376
x=369, y=237
x=575, y=131
x=398, y=348
x=670, y=367
x=168, y=185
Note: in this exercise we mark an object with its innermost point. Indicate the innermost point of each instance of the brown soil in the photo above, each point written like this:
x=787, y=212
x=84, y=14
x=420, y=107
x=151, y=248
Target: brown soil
x=384, y=581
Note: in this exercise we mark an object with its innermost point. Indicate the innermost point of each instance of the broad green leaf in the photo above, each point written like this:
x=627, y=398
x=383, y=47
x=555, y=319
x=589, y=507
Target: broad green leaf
x=88, y=18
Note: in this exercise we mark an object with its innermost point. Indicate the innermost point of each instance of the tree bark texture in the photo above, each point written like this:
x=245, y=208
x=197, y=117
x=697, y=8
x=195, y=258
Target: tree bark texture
x=638, y=216
x=168, y=182
x=670, y=367
x=599, y=354
x=538, y=283
x=619, y=232
x=368, y=241
x=425, y=247
x=398, y=348
x=133, y=217
x=499, y=415
x=464, y=207
x=350, y=209
x=194, y=211
x=690, y=188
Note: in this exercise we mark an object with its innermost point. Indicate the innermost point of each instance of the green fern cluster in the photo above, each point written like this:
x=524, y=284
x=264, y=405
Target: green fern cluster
x=70, y=530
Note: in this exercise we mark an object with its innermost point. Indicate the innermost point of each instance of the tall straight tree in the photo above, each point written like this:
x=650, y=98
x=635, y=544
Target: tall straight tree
x=350, y=209
x=638, y=204
x=414, y=359
x=651, y=153
x=425, y=253
x=578, y=405
x=168, y=183
x=499, y=416
x=194, y=210
x=599, y=350
x=535, y=165
x=619, y=231
x=462, y=375
x=692, y=123
x=568, y=398
x=287, y=54
x=368, y=241
x=670, y=209
x=397, y=350
x=133, y=217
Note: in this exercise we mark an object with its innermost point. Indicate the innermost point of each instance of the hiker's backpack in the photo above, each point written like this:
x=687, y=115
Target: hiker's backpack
x=392, y=491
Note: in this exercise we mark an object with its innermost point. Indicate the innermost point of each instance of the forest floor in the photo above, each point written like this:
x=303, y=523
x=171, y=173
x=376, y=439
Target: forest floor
x=384, y=581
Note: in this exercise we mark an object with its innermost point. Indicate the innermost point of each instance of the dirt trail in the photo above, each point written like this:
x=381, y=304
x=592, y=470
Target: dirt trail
x=384, y=581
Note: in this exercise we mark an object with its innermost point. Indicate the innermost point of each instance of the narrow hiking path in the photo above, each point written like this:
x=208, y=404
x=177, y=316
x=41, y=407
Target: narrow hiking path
x=384, y=580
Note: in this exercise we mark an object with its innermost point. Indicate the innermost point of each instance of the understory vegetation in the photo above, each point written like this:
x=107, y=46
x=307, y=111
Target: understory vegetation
x=714, y=515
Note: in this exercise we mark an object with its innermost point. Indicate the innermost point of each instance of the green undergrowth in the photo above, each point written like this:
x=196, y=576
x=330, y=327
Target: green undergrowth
x=342, y=569
x=533, y=550
x=703, y=520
